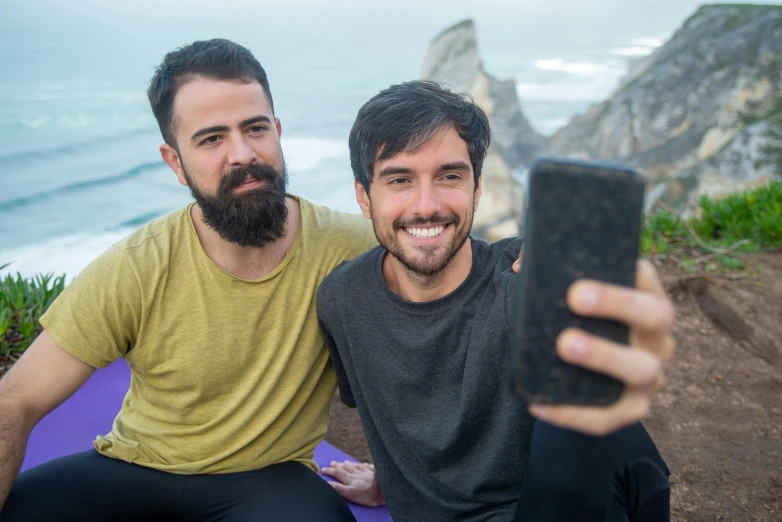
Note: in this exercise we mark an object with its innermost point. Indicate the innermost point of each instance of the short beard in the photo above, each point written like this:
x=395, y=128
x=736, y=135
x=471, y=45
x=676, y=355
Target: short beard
x=252, y=218
x=427, y=264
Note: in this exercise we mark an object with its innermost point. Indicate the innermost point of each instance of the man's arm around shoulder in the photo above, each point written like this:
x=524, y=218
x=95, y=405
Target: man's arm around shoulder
x=43, y=378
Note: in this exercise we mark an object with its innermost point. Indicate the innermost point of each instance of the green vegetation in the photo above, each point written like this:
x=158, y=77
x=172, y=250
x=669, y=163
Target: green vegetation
x=22, y=302
x=749, y=221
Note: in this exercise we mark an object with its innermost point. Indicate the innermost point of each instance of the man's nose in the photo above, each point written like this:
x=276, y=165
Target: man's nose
x=427, y=202
x=241, y=153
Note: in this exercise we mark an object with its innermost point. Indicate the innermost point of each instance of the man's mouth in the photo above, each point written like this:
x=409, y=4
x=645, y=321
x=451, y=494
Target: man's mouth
x=425, y=232
x=249, y=182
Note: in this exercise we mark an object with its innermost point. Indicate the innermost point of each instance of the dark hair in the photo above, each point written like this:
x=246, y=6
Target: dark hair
x=217, y=59
x=404, y=117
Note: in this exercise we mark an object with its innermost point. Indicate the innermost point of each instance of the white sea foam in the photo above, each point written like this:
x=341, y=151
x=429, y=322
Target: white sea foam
x=643, y=46
x=638, y=50
x=585, y=69
x=590, y=81
x=62, y=255
x=648, y=42
x=303, y=153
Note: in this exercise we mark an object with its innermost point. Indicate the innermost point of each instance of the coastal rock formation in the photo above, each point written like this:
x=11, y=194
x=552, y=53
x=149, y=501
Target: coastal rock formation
x=701, y=115
x=453, y=60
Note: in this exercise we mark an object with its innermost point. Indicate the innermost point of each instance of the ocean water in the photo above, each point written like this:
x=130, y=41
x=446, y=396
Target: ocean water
x=79, y=161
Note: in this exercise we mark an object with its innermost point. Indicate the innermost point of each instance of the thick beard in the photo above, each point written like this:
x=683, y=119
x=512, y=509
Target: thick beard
x=425, y=263
x=251, y=218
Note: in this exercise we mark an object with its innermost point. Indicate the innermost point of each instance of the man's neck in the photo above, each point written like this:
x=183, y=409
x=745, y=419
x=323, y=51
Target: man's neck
x=247, y=262
x=420, y=289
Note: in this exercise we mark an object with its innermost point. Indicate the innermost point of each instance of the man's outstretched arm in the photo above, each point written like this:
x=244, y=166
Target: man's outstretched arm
x=43, y=378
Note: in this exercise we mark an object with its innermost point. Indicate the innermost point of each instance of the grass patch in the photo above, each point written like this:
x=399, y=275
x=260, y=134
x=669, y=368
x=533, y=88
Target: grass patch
x=747, y=221
x=22, y=303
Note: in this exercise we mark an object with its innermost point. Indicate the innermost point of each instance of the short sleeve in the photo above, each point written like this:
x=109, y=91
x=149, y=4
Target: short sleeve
x=345, y=391
x=354, y=234
x=96, y=318
x=325, y=309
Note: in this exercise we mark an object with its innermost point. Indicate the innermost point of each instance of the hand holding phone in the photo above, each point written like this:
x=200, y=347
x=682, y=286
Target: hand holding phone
x=583, y=221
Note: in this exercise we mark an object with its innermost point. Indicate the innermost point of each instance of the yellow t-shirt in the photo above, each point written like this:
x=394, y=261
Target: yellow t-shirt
x=227, y=374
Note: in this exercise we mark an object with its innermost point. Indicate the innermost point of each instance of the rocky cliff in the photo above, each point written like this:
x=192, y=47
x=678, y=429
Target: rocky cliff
x=453, y=60
x=702, y=114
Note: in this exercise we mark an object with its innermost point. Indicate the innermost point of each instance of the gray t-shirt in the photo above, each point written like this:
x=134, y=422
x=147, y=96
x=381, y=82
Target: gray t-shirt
x=430, y=380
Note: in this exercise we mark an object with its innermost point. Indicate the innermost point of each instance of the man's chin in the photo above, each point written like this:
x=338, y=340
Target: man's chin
x=428, y=266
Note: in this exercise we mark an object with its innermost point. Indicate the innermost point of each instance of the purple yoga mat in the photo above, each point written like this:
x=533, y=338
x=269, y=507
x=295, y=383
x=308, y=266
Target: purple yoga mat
x=72, y=427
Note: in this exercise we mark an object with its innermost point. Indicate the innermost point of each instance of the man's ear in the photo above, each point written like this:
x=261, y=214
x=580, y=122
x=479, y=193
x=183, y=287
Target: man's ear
x=477, y=195
x=174, y=162
x=363, y=199
x=278, y=124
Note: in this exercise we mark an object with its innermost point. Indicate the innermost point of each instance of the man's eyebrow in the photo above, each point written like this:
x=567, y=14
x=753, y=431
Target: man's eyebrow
x=255, y=119
x=223, y=128
x=208, y=130
x=392, y=170
x=456, y=165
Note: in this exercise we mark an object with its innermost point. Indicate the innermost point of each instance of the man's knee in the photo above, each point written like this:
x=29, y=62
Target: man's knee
x=641, y=485
x=32, y=498
x=635, y=449
x=309, y=497
x=284, y=492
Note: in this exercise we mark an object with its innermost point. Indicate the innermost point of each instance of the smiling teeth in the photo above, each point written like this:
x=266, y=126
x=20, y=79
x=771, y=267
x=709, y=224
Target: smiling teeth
x=426, y=232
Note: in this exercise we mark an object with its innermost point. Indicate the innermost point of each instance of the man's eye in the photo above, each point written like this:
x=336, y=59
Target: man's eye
x=397, y=181
x=257, y=128
x=210, y=139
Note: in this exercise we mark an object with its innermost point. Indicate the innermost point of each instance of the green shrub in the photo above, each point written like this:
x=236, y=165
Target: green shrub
x=22, y=303
x=747, y=221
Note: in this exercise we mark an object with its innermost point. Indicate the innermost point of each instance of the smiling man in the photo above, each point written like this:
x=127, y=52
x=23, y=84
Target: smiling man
x=419, y=330
x=213, y=308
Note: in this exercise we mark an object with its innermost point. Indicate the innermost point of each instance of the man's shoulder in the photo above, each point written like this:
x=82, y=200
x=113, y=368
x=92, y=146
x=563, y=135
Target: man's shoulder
x=337, y=236
x=329, y=221
x=500, y=251
x=145, y=247
x=161, y=230
x=350, y=275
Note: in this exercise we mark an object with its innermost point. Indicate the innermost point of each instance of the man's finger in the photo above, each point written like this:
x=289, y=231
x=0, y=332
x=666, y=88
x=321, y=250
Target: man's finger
x=633, y=366
x=635, y=308
x=595, y=420
x=349, y=465
x=662, y=347
x=337, y=473
x=647, y=280
x=342, y=489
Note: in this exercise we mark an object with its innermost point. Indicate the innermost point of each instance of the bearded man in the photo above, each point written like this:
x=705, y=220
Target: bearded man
x=213, y=308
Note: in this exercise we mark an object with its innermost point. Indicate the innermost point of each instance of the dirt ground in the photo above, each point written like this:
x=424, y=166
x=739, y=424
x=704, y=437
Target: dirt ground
x=718, y=421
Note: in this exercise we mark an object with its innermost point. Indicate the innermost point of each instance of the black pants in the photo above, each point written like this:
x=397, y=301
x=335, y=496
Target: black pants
x=88, y=487
x=571, y=476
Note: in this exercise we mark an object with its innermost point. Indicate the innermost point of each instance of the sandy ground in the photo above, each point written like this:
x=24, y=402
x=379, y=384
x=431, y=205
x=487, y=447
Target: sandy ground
x=718, y=421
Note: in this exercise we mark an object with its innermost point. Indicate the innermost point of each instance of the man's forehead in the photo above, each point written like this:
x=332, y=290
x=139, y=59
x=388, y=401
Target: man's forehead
x=444, y=147
x=203, y=98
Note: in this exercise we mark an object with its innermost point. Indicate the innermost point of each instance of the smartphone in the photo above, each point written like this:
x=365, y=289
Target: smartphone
x=583, y=221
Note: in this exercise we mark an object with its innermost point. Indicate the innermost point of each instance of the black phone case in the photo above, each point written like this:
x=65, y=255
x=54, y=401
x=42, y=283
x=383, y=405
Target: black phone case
x=583, y=221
